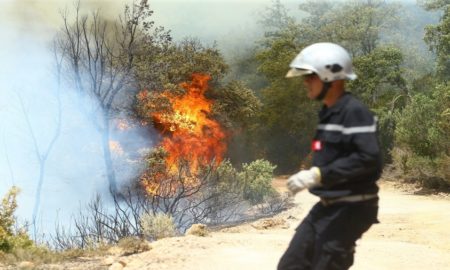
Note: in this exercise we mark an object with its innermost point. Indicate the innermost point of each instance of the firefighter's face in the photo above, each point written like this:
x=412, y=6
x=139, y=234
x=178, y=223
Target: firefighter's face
x=313, y=85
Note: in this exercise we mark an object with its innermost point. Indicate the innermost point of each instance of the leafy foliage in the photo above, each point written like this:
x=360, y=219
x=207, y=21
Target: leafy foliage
x=257, y=179
x=238, y=104
x=425, y=149
x=380, y=76
x=238, y=109
x=382, y=87
x=165, y=67
x=421, y=135
x=11, y=239
x=287, y=117
x=15, y=244
x=438, y=37
x=356, y=25
x=424, y=139
x=284, y=125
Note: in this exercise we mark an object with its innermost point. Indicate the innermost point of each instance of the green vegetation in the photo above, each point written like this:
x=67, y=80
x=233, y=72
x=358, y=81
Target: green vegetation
x=394, y=80
x=257, y=180
x=15, y=244
x=438, y=38
x=11, y=239
x=269, y=118
x=422, y=145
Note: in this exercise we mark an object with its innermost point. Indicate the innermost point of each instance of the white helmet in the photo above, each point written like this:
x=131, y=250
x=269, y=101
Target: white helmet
x=329, y=61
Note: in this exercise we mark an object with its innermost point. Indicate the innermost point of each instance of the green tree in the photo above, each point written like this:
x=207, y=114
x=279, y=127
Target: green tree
x=235, y=106
x=238, y=108
x=288, y=118
x=422, y=137
x=285, y=125
x=174, y=63
x=244, y=68
x=356, y=25
x=275, y=18
x=430, y=139
x=379, y=76
x=438, y=37
x=381, y=86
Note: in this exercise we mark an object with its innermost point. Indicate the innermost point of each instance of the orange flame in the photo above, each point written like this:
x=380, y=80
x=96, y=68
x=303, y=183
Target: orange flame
x=193, y=136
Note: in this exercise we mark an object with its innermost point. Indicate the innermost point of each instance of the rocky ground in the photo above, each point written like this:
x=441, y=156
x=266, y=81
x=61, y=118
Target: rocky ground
x=414, y=233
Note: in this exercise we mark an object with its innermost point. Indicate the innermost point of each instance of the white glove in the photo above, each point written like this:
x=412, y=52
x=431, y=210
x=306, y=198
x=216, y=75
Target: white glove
x=304, y=179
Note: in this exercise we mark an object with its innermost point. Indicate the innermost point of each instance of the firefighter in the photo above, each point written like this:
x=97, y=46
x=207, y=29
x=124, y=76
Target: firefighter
x=345, y=167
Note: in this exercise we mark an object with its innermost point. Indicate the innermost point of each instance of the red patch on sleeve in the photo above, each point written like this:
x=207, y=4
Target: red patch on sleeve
x=316, y=145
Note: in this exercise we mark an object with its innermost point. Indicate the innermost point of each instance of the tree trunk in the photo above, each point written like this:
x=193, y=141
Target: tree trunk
x=37, y=199
x=110, y=174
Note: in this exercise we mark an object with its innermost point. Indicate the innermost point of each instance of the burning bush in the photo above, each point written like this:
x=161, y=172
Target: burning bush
x=186, y=171
x=220, y=194
x=189, y=133
x=186, y=177
x=213, y=194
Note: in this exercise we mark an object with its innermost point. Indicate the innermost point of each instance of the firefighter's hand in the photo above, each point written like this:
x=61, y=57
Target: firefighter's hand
x=304, y=179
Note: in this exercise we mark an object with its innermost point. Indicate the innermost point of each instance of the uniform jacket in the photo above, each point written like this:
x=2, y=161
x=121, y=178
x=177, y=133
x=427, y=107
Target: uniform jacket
x=346, y=150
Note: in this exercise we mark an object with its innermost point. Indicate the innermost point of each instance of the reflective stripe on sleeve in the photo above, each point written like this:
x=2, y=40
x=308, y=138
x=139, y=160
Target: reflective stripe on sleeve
x=349, y=130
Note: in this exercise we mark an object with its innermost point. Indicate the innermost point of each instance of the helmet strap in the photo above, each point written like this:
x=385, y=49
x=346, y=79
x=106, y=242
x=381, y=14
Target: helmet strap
x=323, y=93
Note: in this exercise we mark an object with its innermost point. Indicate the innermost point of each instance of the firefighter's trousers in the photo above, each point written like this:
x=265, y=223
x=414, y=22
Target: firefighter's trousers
x=325, y=240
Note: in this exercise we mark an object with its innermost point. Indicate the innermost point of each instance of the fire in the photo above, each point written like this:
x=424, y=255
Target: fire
x=191, y=138
x=190, y=134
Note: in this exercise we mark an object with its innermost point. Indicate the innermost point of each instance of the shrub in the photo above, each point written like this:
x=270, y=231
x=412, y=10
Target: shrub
x=257, y=179
x=226, y=178
x=429, y=172
x=157, y=226
x=15, y=244
x=422, y=144
x=416, y=126
x=9, y=238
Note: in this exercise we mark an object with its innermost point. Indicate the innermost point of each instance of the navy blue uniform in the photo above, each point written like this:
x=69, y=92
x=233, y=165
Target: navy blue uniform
x=345, y=149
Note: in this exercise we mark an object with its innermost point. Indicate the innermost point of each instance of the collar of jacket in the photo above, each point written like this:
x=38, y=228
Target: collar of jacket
x=337, y=107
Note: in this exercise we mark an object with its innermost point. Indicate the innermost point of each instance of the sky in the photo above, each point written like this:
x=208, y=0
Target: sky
x=208, y=19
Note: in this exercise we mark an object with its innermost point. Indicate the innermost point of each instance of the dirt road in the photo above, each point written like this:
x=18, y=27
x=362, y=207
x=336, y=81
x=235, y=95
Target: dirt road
x=414, y=233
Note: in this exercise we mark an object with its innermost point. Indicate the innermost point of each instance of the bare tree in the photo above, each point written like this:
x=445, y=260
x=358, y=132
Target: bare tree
x=214, y=196
x=11, y=172
x=43, y=152
x=205, y=202
x=100, y=62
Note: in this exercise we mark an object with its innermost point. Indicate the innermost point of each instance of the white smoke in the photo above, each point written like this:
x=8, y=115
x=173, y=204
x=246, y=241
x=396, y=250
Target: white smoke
x=75, y=169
